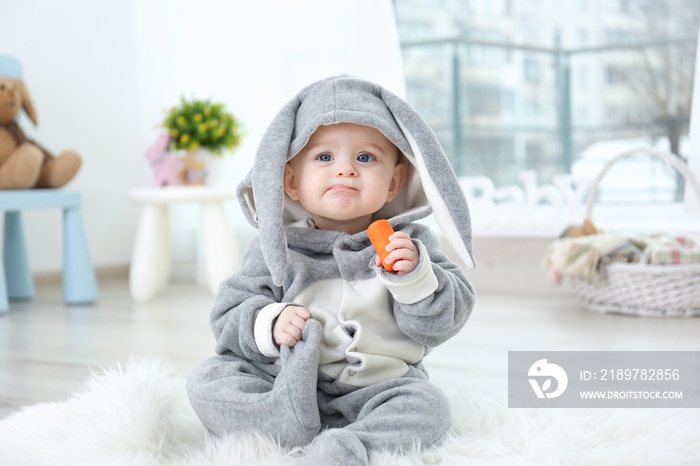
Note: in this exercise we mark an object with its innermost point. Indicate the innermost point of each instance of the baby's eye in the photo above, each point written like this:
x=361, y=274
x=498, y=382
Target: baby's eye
x=365, y=157
x=325, y=157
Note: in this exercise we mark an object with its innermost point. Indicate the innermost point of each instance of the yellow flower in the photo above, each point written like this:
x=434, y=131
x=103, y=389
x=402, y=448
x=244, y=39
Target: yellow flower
x=173, y=133
x=220, y=132
x=198, y=117
x=207, y=112
x=202, y=128
x=184, y=139
x=194, y=146
x=180, y=120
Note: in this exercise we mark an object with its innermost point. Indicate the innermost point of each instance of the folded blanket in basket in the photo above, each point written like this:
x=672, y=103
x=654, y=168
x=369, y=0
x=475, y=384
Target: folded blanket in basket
x=585, y=256
x=582, y=256
x=666, y=249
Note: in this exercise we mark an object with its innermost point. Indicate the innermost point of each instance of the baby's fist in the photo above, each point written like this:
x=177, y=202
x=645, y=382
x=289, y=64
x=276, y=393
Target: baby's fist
x=403, y=254
x=289, y=324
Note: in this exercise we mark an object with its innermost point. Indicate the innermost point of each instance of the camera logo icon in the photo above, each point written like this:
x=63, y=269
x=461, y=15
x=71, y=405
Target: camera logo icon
x=546, y=372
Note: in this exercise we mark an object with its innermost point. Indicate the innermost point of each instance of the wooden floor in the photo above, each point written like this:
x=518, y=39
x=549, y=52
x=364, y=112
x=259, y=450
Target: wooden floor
x=48, y=350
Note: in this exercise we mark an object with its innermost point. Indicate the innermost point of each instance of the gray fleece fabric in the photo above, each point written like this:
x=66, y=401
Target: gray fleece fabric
x=234, y=395
x=371, y=391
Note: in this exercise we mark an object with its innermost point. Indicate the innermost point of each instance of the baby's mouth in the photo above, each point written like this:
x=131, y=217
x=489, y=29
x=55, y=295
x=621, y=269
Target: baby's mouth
x=340, y=188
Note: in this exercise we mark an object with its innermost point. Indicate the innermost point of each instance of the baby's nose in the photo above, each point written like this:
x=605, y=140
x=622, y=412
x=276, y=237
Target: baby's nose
x=347, y=169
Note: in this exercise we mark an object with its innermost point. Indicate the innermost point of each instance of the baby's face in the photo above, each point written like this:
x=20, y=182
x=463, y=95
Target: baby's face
x=343, y=175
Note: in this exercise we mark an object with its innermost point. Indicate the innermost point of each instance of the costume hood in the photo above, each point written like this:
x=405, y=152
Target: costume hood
x=431, y=183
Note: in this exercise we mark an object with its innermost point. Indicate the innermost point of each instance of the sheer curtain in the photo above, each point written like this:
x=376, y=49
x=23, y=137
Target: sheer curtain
x=691, y=200
x=319, y=38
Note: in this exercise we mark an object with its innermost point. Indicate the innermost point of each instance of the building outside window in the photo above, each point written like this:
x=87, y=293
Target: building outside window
x=593, y=76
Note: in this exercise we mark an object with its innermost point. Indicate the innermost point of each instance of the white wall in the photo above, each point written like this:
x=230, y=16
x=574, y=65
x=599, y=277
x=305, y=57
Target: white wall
x=101, y=74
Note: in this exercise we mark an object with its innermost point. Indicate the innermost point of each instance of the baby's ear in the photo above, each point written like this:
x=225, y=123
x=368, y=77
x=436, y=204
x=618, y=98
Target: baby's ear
x=290, y=182
x=397, y=180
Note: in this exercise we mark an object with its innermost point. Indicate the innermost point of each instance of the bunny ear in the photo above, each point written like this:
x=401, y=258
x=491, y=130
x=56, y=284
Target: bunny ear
x=26, y=101
x=440, y=184
x=262, y=191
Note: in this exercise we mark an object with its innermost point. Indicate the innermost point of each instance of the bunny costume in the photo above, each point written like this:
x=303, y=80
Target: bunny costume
x=355, y=382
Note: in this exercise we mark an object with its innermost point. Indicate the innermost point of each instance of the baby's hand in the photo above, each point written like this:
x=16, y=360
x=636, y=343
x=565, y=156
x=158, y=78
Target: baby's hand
x=288, y=326
x=403, y=253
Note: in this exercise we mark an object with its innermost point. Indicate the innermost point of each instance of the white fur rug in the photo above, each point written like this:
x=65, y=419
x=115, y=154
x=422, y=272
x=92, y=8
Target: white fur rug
x=139, y=415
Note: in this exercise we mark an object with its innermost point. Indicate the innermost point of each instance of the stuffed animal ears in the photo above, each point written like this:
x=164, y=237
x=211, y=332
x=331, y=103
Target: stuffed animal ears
x=16, y=86
x=261, y=193
x=11, y=74
x=27, y=103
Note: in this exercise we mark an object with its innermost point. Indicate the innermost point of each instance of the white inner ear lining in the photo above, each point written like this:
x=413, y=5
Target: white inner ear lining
x=442, y=214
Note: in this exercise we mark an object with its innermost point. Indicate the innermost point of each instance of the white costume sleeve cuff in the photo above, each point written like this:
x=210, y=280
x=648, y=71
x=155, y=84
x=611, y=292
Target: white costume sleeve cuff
x=263, y=329
x=412, y=287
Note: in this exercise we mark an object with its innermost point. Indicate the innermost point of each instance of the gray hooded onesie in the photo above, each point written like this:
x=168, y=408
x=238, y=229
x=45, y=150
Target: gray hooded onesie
x=357, y=371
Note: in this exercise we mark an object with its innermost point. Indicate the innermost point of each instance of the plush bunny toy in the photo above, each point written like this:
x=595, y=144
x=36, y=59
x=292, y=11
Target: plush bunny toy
x=24, y=163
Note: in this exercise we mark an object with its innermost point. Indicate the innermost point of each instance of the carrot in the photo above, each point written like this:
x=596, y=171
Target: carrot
x=379, y=233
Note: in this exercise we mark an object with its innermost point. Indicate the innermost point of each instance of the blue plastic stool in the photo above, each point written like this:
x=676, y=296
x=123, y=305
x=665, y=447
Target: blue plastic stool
x=79, y=284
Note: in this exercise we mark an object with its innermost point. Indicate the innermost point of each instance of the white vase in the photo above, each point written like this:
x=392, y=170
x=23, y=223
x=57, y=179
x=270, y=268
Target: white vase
x=215, y=168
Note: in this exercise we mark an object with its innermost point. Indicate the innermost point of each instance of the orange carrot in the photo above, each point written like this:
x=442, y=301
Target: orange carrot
x=379, y=233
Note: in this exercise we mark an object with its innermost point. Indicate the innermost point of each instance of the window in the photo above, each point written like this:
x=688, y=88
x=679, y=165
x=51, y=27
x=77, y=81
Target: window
x=483, y=99
x=583, y=116
x=532, y=110
x=533, y=153
x=617, y=114
x=531, y=70
x=480, y=53
x=611, y=5
x=581, y=77
x=423, y=96
x=491, y=7
x=615, y=75
x=530, y=30
x=508, y=102
x=619, y=37
x=582, y=37
x=511, y=106
x=415, y=30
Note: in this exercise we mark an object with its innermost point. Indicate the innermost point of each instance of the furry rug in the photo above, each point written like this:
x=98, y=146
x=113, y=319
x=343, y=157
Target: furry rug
x=139, y=415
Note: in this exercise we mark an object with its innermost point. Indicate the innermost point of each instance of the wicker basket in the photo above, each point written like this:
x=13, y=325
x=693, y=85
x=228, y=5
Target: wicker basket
x=643, y=289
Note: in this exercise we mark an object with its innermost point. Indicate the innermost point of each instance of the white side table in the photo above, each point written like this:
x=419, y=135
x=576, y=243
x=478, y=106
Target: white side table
x=150, y=262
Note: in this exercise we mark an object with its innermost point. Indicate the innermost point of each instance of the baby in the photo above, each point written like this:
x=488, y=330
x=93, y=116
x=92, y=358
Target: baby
x=316, y=342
